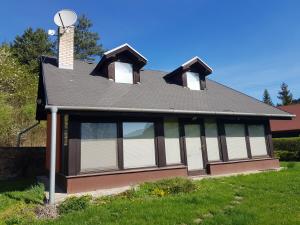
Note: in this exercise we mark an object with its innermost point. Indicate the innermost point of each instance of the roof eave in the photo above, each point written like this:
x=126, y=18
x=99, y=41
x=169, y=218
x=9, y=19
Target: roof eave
x=117, y=109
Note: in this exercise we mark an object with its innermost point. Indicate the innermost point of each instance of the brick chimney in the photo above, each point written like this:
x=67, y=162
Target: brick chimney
x=66, y=47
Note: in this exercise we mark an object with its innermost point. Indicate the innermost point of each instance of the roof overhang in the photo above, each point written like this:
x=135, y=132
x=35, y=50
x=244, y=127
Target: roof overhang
x=175, y=111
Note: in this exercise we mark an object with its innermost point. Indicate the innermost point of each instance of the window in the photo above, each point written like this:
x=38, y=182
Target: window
x=172, y=144
x=236, y=142
x=212, y=143
x=123, y=73
x=257, y=140
x=138, y=144
x=193, y=80
x=98, y=146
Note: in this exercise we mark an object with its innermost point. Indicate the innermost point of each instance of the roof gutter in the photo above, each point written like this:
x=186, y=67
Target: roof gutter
x=166, y=111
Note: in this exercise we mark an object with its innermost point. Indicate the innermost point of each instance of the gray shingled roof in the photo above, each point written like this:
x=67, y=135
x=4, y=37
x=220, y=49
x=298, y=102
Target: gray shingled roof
x=78, y=89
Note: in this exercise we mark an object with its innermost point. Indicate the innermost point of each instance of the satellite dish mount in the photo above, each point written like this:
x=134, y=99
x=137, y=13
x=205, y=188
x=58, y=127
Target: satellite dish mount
x=65, y=18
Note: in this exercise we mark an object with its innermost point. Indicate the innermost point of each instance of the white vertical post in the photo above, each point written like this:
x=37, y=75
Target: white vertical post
x=53, y=155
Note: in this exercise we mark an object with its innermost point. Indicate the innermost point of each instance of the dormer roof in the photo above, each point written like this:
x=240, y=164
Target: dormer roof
x=195, y=64
x=122, y=48
x=121, y=53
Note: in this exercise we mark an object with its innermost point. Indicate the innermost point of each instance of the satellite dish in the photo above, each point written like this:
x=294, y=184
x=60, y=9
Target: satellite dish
x=65, y=18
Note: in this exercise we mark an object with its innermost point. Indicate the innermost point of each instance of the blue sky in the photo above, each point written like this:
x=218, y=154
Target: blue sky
x=251, y=45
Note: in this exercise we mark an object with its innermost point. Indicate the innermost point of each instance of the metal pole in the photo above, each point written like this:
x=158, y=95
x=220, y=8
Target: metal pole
x=53, y=155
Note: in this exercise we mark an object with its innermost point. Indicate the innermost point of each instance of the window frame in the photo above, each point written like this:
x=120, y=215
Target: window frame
x=132, y=72
x=179, y=140
x=154, y=139
x=190, y=73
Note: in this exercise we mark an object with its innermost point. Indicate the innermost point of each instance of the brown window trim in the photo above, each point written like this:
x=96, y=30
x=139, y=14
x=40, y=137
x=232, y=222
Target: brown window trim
x=241, y=161
x=198, y=121
x=75, y=131
x=219, y=141
x=133, y=170
x=181, y=141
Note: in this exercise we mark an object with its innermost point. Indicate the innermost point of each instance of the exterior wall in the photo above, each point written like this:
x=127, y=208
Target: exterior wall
x=58, y=143
x=73, y=180
x=243, y=166
x=287, y=133
x=91, y=182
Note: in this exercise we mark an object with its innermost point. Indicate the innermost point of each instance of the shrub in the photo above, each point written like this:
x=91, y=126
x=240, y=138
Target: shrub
x=288, y=144
x=286, y=155
x=287, y=149
x=19, y=214
x=168, y=187
x=73, y=204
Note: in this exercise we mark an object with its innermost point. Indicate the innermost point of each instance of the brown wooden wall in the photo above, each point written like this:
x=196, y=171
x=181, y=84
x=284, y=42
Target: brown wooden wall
x=58, y=142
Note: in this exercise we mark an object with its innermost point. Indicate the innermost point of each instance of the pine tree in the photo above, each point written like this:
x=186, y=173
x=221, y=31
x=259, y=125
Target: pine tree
x=30, y=45
x=86, y=46
x=285, y=95
x=267, y=98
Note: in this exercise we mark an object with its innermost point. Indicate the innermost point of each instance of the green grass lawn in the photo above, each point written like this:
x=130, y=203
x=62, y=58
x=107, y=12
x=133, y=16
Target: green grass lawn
x=264, y=198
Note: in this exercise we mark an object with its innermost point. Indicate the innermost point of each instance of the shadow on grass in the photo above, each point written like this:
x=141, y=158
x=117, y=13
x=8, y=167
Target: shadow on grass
x=27, y=190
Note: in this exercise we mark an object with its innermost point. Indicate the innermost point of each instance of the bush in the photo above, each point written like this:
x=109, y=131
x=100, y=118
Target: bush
x=288, y=144
x=168, y=187
x=287, y=149
x=19, y=214
x=73, y=204
x=286, y=155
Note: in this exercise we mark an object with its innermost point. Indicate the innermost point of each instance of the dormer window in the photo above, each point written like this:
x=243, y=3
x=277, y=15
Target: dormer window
x=123, y=73
x=193, y=81
x=192, y=74
x=121, y=64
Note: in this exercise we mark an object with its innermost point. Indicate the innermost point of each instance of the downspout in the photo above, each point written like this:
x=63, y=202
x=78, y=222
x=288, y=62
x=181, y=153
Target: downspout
x=53, y=155
x=24, y=131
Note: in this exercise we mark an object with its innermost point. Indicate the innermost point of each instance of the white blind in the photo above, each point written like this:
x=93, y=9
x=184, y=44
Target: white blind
x=236, y=142
x=172, y=144
x=212, y=143
x=193, y=147
x=193, y=80
x=138, y=144
x=123, y=73
x=98, y=146
x=257, y=140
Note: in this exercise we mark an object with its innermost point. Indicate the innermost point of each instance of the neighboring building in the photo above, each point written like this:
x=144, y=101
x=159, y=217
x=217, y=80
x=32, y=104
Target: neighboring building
x=119, y=124
x=290, y=128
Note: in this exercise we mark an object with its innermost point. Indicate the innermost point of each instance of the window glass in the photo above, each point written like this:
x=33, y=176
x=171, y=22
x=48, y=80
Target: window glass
x=98, y=146
x=193, y=80
x=212, y=143
x=123, y=73
x=236, y=141
x=257, y=140
x=138, y=144
x=172, y=144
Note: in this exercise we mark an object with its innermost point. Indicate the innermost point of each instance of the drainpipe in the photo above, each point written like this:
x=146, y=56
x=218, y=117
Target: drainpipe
x=24, y=131
x=53, y=155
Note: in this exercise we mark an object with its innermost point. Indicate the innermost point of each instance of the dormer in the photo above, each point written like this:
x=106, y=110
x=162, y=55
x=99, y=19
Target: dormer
x=121, y=64
x=191, y=74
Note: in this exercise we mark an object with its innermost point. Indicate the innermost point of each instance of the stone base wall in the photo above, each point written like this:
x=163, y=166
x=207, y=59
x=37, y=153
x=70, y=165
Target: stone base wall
x=21, y=162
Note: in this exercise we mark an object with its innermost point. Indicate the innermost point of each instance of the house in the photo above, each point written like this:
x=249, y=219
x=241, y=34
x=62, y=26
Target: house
x=290, y=128
x=115, y=123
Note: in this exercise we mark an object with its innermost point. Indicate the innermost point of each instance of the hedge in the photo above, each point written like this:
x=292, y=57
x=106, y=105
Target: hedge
x=287, y=149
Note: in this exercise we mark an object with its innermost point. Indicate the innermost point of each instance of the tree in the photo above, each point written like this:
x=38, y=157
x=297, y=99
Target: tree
x=86, y=46
x=285, y=95
x=30, y=45
x=296, y=101
x=18, y=89
x=267, y=98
